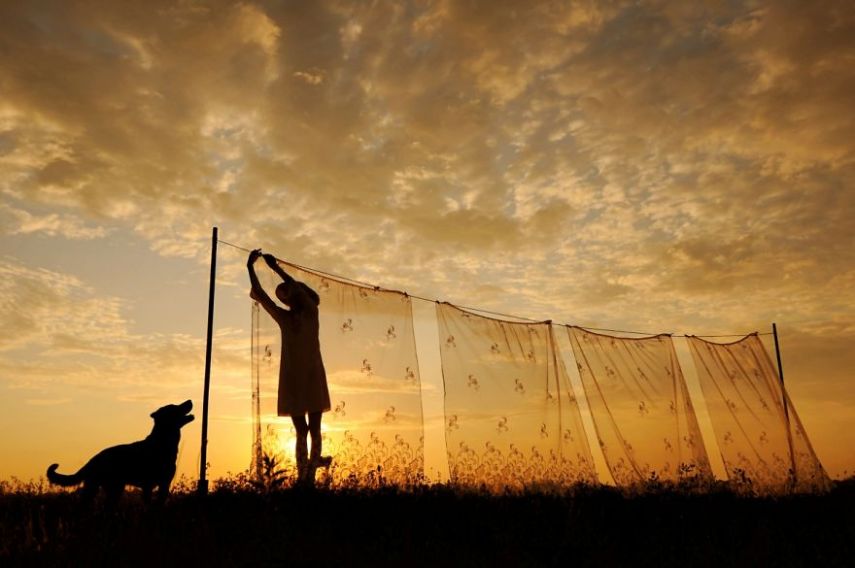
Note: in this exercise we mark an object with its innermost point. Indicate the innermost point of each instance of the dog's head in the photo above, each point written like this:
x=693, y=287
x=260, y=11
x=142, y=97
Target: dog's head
x=174, y=415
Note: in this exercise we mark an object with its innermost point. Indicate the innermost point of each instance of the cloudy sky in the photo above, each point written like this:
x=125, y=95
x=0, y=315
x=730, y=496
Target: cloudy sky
x=658, y=166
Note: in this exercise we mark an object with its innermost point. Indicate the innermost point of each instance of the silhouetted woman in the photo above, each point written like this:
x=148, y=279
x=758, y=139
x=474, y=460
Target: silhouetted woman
x=303, y=387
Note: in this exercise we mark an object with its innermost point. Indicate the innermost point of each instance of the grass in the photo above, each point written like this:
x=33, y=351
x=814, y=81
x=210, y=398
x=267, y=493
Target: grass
x=433, y=525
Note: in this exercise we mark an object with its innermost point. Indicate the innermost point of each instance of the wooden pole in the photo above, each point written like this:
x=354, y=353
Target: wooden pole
x=784, y=400
x=202, y=487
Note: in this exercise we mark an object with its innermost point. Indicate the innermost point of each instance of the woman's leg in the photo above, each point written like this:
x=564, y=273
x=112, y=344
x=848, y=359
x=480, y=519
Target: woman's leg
x=317, y=460
x=315, y=431
x=301, y=449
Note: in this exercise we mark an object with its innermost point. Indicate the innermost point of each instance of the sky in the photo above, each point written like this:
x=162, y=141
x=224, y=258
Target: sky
x=663, y=166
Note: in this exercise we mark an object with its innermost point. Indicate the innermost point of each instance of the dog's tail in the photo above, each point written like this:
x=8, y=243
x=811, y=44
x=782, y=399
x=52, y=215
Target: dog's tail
x=62, y=479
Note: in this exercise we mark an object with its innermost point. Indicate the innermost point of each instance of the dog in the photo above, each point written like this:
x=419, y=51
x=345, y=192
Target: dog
x=145, y=464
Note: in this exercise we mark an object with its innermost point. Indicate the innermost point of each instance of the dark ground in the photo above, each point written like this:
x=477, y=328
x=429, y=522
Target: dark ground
x=433, y=526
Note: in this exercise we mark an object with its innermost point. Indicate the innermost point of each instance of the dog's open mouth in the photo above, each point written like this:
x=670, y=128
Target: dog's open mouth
x=186, y=407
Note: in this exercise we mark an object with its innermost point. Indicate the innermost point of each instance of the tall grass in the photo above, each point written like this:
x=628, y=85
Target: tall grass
x=243, y=523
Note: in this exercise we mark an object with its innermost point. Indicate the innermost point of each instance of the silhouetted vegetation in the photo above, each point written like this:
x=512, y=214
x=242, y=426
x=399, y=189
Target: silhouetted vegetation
x=242, y=524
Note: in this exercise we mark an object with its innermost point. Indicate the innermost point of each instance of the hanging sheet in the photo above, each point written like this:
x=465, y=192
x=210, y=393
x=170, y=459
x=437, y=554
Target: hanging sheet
x=511, y=417
x=639, y=403
x=763, y=445
x=374, y=429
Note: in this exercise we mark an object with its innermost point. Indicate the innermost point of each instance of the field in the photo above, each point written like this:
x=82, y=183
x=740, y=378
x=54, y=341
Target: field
x=429, y=526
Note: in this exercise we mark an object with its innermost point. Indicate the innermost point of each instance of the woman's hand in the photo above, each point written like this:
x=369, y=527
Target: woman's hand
x=253, y=256
x=270, y=260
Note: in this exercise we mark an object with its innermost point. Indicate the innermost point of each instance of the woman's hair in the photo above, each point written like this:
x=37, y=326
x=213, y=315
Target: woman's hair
x=311, y=293
x=284, y=289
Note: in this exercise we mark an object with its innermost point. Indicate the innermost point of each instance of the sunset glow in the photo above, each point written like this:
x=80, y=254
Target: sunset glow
x=669, y=167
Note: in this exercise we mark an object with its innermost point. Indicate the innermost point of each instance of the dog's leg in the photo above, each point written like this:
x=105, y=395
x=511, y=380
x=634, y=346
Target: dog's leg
x=113, y=493
x=88, y=492
x=163, y=492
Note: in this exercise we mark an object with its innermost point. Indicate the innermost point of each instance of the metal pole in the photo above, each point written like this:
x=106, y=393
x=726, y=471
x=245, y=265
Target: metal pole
x=202, y=487
x=784, y=400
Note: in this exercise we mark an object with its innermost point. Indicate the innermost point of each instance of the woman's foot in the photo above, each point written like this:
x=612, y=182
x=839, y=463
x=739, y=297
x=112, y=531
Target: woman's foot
x=321, y=461
x=302, y=454
x=307, y=478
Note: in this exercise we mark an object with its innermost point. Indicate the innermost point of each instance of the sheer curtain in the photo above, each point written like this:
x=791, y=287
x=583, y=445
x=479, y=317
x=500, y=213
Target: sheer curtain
x=763, y=445
x=511, y=417
x=643, y=417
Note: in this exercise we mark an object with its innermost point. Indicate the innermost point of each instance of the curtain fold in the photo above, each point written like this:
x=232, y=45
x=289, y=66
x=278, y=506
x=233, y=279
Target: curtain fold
x=644, y=419
x=764, y=447
x=512, y=419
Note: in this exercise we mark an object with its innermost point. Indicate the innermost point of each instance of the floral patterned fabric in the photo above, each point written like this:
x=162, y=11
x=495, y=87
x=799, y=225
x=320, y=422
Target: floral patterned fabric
x=511, y=415
x=512, y=419
x=643, y=417
x=763, y=445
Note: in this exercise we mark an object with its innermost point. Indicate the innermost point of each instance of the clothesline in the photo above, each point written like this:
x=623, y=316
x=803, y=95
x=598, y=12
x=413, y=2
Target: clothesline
x=347, y=280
